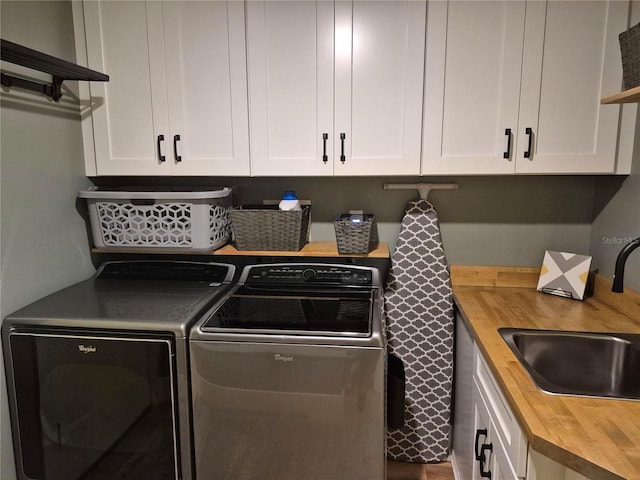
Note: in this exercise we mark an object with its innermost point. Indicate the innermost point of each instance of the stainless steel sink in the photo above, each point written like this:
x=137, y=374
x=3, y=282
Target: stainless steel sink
x=576, y=363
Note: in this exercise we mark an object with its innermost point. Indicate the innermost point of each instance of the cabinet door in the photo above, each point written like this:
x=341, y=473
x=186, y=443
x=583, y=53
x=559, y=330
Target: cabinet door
x=130, y=111
x=472, y=86
x=483, y=445
x=207, y=87
x=290, y=69
x=379, y=64
x=491, y=459
x=571, y=57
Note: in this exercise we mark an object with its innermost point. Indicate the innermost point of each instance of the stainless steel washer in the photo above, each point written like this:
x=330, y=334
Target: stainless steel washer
x=288, y=376
x=97, y=373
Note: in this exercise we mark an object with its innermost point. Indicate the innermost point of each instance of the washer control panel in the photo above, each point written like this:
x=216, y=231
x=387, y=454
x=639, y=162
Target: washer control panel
x=308, y=274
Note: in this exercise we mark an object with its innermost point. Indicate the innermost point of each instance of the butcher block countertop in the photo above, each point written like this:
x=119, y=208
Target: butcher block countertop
x=599, y=438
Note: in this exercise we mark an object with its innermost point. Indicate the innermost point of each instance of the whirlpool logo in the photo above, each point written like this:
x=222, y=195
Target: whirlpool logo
x=87, y=349
x=279, y=357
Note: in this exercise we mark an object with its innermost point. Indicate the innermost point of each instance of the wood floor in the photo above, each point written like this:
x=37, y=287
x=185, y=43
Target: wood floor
x=417, y=471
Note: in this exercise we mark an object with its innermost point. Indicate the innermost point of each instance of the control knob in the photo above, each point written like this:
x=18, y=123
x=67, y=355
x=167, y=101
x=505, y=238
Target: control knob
x=308, y=274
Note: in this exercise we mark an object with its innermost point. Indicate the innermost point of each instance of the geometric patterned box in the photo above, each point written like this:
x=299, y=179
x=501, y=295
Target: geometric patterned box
x=564, y=274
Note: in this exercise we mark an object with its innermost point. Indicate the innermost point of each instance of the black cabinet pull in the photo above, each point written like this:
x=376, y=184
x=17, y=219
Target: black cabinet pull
x=325, y=136
x=342, y=137
x=161, y=157
x=483, y=432
x=528, y=131
x=483, y=449
x=507, y=153
x=176, y=139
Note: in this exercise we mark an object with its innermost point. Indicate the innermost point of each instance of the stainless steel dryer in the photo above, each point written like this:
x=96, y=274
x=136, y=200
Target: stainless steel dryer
x=288, y=377
x=97, y=373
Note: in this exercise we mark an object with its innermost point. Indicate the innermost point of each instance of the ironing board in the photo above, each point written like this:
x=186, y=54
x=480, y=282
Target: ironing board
x=420, y=323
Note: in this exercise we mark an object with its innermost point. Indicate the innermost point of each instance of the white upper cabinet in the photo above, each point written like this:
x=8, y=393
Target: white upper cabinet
x=515, y=86
x=379, y=88
x=472, y=85
x=290, y=68
x=176, y=101
x=206, y=81
x=571, y=56
x=335, y=88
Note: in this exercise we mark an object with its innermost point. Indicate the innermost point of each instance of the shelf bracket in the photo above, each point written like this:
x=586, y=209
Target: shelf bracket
x=54, y=90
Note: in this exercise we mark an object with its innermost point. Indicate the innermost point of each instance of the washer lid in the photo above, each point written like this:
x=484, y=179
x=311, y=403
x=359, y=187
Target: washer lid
x=290, y=312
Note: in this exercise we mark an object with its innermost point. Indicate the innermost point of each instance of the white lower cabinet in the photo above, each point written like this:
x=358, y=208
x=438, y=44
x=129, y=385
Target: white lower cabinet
x=491, y=457
x=500, y=447
x=487, y=439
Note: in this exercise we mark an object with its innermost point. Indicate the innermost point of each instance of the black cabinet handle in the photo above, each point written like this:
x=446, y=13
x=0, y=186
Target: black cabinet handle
x=507, y=153
x=161, y=157
x=485, y=447
x=342, y=137
x=479, y=432
x=176, y=139
x=325, y=136
x=528, y=131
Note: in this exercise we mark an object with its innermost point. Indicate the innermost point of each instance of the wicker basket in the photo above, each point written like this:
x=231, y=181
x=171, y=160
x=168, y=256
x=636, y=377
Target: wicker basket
x=630, y=52
x=266, y=227
x=360, y=236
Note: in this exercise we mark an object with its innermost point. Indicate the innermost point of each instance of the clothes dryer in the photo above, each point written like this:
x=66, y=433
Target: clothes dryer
x=97, y=373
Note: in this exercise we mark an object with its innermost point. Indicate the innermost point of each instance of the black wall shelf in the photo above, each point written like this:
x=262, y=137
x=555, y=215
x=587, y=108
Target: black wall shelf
x=59, y=69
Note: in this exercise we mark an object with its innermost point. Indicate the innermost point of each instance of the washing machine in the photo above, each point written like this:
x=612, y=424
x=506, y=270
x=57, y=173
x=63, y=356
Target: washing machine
x=288, y=376
x=97, y=373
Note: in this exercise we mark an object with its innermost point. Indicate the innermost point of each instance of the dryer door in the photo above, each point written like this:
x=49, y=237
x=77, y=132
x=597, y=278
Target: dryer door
x=92, y=406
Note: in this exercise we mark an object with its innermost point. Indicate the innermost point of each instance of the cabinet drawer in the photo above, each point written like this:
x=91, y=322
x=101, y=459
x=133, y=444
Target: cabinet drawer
x=506, y=427
x=496, y=462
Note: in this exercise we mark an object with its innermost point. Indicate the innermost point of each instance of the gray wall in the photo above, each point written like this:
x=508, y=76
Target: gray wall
x=43, y=239
x=508, y=221
x=616, y=222
x=487, y=221
x=616, y=211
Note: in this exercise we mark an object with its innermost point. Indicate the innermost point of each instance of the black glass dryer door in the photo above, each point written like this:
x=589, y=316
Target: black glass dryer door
x=94, y=408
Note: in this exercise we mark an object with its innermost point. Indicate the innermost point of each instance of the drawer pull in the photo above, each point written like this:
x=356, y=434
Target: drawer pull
x=325, y=136
x=507, y=153
x=176, y=139
x=161, y=158
x=485, y=447
x=479, y=432
x=528, y=131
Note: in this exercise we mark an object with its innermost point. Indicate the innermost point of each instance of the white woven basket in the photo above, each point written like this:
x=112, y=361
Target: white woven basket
x=194, y=221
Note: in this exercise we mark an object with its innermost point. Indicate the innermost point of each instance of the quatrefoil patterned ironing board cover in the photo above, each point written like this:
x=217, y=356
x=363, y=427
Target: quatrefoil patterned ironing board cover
x=420, y=323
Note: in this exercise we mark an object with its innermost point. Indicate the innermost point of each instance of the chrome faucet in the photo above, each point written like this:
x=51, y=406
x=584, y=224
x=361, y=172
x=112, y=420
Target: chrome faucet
x=618, y=276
